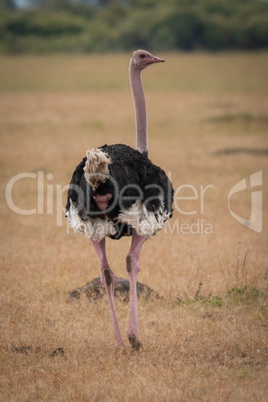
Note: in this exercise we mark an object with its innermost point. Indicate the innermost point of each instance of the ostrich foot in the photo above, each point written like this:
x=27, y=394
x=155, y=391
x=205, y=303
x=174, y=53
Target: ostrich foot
x=134, y=342
x=120, y=348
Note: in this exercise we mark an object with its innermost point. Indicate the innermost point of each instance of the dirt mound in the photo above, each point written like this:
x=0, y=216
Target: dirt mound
x=94, y=290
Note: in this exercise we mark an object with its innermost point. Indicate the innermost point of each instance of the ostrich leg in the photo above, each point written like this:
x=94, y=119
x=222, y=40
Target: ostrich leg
x=133, y=267
x=107, y=279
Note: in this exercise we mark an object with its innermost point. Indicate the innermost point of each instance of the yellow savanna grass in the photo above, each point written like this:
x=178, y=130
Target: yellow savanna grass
x=206, y=337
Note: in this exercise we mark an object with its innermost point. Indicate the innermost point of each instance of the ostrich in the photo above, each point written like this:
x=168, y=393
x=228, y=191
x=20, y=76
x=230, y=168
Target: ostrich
x=117, y=191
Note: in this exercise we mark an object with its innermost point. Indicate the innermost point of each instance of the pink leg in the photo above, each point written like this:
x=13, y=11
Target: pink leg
x=107, y=279
x=133, y=267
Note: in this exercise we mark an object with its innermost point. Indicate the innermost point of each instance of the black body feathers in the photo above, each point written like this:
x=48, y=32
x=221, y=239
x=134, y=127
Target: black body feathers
x=132, y=176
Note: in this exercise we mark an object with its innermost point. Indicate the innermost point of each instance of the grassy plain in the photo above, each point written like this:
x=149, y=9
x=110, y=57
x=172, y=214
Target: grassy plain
x=206, y=338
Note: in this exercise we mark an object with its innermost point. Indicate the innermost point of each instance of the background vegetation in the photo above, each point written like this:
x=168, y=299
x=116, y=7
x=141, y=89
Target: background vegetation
x=97, y=26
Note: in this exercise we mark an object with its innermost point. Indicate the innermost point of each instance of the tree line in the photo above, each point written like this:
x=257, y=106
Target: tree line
x=46, y=26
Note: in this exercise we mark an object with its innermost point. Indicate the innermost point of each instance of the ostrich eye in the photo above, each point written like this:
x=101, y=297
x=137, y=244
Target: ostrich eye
x=142, y=56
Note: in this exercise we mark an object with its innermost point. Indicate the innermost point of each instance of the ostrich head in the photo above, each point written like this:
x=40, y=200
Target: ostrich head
x=141, y=59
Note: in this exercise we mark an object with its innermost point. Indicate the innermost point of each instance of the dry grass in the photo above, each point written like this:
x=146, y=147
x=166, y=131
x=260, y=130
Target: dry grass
x=204, y=342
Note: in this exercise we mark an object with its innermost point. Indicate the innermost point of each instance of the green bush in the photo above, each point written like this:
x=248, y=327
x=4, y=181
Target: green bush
x=65, y=25
x=42, y=24
x=256, y=32
x=217, y=33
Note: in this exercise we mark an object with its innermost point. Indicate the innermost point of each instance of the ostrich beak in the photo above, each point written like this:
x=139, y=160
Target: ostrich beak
x=157, y=60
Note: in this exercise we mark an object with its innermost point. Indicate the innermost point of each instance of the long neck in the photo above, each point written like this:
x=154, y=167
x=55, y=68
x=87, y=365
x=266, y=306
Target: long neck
x=140, y=109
